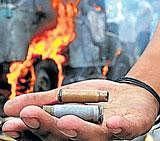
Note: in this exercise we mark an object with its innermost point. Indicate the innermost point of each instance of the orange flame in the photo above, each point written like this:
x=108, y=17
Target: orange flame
x=97, y=8
x=49, y=45
x=105, y=68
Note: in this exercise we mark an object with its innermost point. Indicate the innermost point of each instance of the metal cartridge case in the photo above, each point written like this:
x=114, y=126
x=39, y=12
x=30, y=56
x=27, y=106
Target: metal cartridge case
x=91, y=113
x=82, y=96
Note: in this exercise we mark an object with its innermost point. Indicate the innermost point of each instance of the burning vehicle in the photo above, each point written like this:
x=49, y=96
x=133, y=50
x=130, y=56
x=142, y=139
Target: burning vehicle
x=28, y=56
x=45, y=44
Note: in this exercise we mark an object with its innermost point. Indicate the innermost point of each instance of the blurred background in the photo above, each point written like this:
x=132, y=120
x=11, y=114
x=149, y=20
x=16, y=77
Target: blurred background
x=109, y=37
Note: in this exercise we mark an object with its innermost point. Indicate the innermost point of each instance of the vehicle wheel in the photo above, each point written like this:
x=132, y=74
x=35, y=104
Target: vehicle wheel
x=46, y=76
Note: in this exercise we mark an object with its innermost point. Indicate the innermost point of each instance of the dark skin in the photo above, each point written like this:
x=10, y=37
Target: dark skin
x=130, y=112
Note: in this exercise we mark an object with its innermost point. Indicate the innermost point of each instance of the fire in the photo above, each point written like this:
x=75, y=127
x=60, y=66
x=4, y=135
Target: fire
x=97, y=8
x=49, y=45
x=105, y=68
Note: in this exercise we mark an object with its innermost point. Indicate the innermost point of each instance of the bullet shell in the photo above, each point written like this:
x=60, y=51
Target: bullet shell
x=91, y=113
x=82, y=96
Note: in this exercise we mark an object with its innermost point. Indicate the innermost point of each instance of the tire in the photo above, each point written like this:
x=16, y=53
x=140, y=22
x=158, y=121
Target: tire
x=46, y=76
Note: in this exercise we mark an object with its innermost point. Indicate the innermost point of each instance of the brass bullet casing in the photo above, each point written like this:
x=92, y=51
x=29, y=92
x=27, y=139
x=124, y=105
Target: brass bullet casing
x=91, y=113
x=82, y=96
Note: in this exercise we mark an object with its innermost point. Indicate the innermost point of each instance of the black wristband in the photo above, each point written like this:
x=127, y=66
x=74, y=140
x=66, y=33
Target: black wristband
x=141, y=84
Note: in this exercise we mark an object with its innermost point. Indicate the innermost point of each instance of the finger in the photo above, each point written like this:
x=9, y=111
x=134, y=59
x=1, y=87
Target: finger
x=40, y=123
x=20, y=102
x=67, y=126
x=49, y=97
x=71, y=125
x=14, y=128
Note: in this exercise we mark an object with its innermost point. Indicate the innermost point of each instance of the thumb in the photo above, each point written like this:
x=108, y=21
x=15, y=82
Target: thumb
x=121, y=127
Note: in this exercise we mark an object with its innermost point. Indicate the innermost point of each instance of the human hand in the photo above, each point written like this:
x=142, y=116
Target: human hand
x=130, y=112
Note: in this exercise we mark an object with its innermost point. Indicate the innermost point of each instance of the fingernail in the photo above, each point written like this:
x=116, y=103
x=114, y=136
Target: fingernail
x=31, y=122
x=14, y=135
x=69, y=133
x=116, y=131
